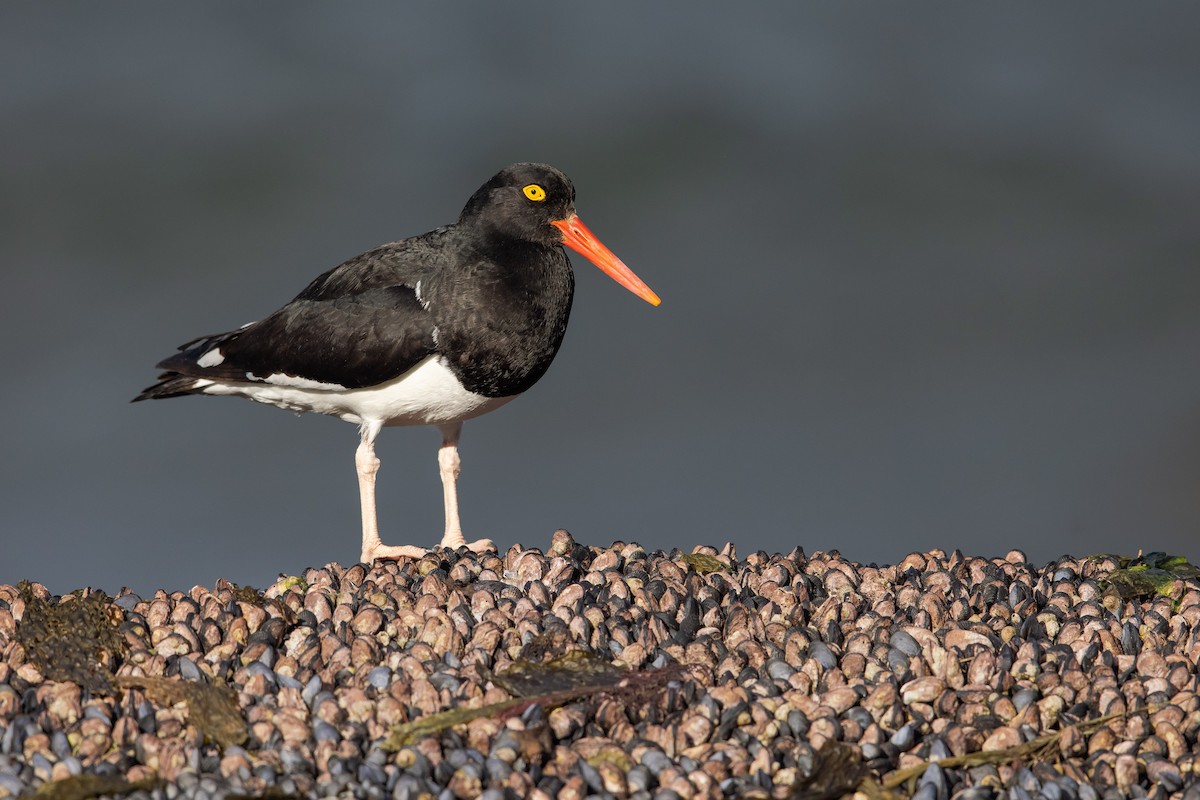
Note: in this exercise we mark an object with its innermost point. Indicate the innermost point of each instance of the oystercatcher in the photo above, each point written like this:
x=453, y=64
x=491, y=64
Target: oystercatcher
x=431, y=330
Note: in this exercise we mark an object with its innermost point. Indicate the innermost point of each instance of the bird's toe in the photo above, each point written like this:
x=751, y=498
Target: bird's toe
x=393, y=552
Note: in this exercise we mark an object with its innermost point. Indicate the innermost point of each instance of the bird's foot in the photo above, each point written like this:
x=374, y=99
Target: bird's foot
x=394, y=551
x=454, y=541
x=482, y=546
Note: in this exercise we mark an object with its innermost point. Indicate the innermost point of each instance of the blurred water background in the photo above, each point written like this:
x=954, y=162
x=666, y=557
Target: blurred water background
x=930, y=274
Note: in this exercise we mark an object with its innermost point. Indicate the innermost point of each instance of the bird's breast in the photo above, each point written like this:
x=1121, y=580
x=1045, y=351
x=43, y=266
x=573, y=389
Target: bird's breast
x=499, y=336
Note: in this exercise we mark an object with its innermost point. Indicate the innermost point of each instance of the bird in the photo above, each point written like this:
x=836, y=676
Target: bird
x=431, y=330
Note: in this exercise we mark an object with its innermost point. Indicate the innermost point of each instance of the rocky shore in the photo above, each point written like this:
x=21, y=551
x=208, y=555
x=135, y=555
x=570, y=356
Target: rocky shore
x=581, y=671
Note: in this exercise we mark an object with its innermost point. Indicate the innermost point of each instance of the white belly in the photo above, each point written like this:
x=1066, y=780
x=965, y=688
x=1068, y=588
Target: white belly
x=428, y=394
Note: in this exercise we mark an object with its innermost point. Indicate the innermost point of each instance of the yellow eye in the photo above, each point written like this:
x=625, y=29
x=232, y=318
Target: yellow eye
x=535, y=193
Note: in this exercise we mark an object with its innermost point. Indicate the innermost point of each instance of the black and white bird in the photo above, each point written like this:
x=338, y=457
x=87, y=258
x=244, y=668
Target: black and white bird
x=430, y=330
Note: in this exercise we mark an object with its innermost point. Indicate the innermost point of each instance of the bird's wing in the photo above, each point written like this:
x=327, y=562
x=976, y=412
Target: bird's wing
x=402, y=263
x=347, y=340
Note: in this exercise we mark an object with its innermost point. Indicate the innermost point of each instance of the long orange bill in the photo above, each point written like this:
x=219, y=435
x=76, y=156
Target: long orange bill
x=581, y=240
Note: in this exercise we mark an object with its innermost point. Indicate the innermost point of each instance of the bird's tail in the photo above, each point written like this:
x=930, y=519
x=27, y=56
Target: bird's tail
x=171, y=384
x=175, y=380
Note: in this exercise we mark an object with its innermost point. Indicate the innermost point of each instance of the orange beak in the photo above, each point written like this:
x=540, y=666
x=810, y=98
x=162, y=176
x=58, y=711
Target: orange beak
x=577, y=237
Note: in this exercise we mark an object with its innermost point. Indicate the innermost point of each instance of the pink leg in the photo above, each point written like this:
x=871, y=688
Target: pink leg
x=449, y=465
x=368, y=465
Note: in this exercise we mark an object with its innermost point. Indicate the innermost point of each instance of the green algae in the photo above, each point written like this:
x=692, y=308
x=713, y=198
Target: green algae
x=1149, y=574
x=703, y=563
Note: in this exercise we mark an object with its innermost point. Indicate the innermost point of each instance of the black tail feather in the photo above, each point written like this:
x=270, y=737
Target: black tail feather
x=170, y=384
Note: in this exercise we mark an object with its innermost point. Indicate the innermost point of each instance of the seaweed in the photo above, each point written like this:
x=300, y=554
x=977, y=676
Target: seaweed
x=212, y=709
x=255, y=597
x=287, y=582
x=547, y=646
x=837, y=771
x=74, y=640
x=1149, y=574
x=570, y=670
x=569, y=678
x=85, y=787
x=247, y=594
x=1043, y=747
x=703, y=563
x=611, y=754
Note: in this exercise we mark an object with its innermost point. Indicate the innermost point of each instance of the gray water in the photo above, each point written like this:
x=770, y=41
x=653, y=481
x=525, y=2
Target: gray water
x=929, y=275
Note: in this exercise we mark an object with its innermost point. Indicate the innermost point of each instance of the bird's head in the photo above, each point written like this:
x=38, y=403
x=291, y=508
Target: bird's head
x=536, y=203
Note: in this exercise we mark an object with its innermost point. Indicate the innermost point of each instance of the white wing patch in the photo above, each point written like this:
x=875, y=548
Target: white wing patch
x=211, y=359
x=428, y=394
x=280, y=379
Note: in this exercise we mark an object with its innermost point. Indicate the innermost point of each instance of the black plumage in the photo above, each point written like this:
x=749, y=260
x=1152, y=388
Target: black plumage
x=362, y=323
x=477, y=309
